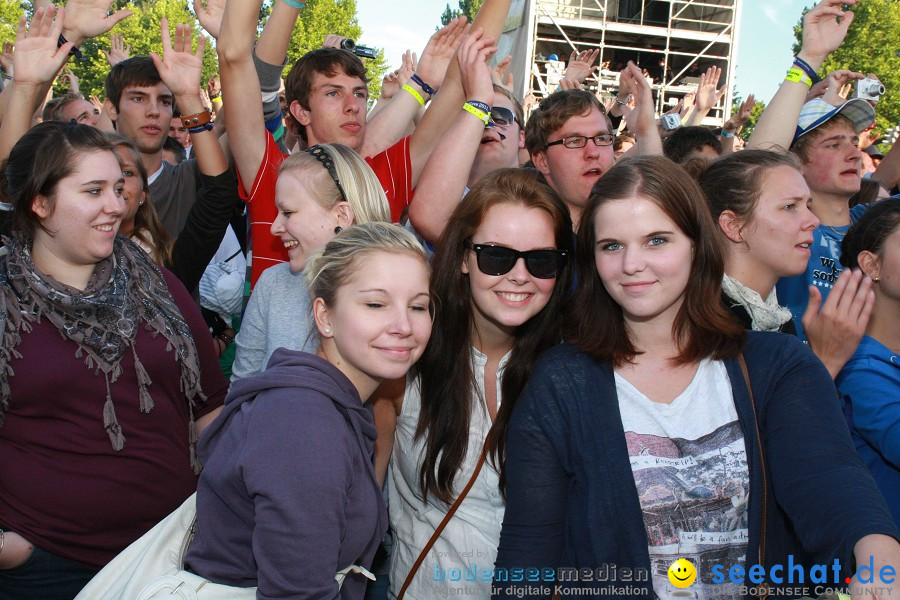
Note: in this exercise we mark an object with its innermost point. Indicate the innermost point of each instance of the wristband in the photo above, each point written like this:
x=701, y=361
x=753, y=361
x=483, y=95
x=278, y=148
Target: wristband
x=474, y=110
x=425, y=87
x=216, y=97
x=623, y=102
x=201, y=128
x=412, y=92
x=198, y=120
x=73, y=51
x=804, y=66
x=295, y=3
x=483, y=107
x=797, y=75
x=725, y=134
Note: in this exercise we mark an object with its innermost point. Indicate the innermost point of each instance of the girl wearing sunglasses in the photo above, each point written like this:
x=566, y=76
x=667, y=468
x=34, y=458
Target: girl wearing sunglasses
x=500, y=279
x=663, y=430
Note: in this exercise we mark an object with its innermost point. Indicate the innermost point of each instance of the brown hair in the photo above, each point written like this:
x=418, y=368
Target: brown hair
x=135, y=71
x=147, y=225
x=553, y=112
x=46, y=154
x=328, y=61
x=54, y=108
x=734, y=182
x=445, y=371
x=870, y=231
x=801, y=145
x=703, y=326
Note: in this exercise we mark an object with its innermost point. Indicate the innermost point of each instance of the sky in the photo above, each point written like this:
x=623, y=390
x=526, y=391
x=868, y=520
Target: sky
x=765, y=36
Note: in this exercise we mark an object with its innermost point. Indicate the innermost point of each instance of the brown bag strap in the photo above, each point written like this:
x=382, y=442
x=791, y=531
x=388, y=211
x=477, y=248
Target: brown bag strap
x=443, y=523
x=763, y=587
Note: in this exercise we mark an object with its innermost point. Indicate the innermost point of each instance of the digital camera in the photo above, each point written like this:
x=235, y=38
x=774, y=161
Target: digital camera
x=671, y=121
x=361, y=51
x=868, y=89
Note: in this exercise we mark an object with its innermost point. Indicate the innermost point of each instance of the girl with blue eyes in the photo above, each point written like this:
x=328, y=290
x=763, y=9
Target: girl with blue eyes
x=663, y=430
x=501, y=275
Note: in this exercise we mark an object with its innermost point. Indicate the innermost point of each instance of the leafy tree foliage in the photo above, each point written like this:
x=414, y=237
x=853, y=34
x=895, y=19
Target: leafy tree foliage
x=321, y=17
x=469, y=8
x=10, y=12
x=872, y=46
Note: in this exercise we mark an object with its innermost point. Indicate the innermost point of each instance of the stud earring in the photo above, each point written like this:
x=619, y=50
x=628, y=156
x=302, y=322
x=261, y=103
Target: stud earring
x=338, y=229
x=327, y=330
x=875, y=279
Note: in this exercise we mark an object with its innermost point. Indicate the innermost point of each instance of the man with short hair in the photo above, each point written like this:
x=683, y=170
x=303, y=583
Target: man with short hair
x=827, y=142
x=695, y=141
x=570, y=137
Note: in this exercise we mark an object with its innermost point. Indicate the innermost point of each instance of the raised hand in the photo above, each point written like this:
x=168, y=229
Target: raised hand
x=640, y=120
x=581, y=65
x=118, y=51
x=89, y=18
x=824, y=30
x=500, y=76
x=439, y=52
x=390, y=85
x=708, y=93
x=829, y=89
x=71, y=81
x=408, y=68
x=6, y=58
x=37, y=60
x=333, y=40
x=476, y=74
x=210, y=17
x=737, y=120
x=179, y=68
x=213, y=87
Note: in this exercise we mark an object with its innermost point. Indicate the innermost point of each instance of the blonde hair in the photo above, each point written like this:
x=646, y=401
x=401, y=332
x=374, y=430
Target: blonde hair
x=361, y=188
x=330, y=268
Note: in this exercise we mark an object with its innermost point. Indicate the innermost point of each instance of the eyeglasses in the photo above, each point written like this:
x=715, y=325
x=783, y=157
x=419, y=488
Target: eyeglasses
x=499, y=260
x=502, y=116
x=580, y=141
x=322, y=156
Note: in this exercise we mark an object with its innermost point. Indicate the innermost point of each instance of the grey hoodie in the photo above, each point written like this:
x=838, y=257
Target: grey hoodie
x=288, y=494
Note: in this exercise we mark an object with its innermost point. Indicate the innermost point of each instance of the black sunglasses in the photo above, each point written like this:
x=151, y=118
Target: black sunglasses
x=499, y=260
x=502, y=116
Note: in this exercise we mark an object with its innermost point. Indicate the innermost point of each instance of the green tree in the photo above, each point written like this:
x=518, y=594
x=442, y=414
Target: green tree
x=469, y=8
x=321, y=17
x=871, y=46
x=141, y=30
x=10, y=13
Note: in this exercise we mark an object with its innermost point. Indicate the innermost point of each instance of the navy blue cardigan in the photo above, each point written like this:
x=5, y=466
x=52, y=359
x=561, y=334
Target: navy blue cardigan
x=572, y=500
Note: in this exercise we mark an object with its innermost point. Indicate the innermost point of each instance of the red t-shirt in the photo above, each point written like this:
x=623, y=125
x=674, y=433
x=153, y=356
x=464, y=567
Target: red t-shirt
x=392, y=167
x=62, y=486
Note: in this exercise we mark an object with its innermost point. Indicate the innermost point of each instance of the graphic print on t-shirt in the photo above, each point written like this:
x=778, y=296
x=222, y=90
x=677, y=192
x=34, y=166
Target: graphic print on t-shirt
x=694, y=497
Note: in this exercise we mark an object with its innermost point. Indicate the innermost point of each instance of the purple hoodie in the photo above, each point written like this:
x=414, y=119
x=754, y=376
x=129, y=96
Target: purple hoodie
x=288, y=494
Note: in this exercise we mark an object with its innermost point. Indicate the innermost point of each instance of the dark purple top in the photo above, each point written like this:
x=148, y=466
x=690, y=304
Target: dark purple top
x=288, y=494
x=64, y=488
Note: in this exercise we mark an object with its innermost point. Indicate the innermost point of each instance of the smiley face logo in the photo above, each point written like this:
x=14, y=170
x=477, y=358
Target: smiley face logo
x=682, y=573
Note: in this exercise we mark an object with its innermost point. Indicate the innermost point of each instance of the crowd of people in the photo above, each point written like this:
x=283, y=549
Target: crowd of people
x=472, y=349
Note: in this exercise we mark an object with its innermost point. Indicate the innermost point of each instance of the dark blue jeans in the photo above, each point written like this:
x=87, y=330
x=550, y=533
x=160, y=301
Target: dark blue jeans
x=45, y=576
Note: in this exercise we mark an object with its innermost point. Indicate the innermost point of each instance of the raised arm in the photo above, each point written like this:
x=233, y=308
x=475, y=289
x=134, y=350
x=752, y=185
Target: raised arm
x=708, y=95
x=444, y=177
x=824, y=29
x=641, y=120
x=240, y=85
x=446, y=106
x=37, y=60
x=181, y=71
x=888, y=171
x=390, y=124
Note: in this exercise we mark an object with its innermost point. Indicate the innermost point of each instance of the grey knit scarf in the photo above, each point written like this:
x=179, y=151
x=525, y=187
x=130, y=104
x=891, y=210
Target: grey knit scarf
x=125, y=290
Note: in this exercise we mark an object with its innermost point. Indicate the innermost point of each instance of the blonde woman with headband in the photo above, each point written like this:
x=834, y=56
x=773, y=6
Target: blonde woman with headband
x=288, y=495
x=319, y=192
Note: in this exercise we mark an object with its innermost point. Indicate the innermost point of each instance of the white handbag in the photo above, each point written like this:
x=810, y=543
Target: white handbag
x=151, y=567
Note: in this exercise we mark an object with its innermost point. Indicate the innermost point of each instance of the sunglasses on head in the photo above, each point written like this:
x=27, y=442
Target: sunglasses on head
x=502, y=116
x=499, y=260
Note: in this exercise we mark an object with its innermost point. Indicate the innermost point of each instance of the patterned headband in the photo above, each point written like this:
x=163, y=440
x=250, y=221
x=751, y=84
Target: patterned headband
x=323, y=157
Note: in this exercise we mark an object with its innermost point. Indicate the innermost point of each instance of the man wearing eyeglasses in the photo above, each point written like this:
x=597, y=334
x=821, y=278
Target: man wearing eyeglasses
x=570, y=137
